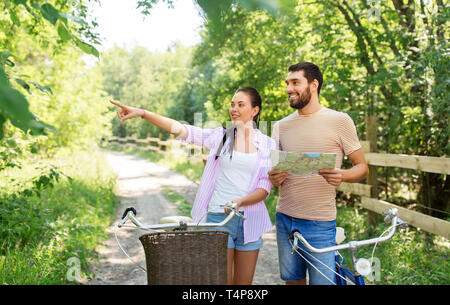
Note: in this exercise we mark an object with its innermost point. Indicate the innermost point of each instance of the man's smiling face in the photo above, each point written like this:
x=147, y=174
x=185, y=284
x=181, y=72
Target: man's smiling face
x=298, y=89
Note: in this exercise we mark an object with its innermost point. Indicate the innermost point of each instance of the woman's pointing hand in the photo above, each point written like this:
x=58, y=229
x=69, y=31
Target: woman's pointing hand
x=127, y=112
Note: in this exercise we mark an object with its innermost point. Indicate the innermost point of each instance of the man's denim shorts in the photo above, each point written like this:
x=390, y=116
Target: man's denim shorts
x=320, y=234
x=236, y=229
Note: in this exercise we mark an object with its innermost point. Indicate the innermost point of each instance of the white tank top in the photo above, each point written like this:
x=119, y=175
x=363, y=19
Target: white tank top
x=233, y=180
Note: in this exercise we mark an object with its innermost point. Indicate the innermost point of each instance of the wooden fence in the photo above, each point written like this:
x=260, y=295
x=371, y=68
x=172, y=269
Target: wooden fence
x=368, y=192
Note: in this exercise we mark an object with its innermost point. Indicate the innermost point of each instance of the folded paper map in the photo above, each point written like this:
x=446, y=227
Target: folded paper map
x=302, y=164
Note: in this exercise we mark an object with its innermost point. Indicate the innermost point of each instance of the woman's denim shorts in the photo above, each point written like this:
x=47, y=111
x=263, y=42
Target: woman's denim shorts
x=236, y=229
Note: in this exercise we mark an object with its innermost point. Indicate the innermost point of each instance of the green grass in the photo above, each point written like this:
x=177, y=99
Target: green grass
x=411, y=257
x=51, y=222
x=271, y=203
x=183, y=206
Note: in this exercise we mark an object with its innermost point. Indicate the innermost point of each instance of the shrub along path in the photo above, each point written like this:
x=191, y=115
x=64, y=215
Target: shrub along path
x=139, y=185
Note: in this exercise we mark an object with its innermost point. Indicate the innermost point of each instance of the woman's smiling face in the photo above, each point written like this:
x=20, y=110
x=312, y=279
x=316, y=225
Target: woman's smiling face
x=241, y=109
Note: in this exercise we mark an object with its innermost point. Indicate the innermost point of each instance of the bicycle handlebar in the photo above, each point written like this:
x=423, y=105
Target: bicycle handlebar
x=130, y=214
x=391, y=217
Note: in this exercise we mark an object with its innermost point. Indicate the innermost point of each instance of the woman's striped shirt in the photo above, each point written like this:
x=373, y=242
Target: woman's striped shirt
x=257, y=218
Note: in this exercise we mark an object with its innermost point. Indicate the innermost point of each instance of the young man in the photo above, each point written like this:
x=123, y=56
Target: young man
x=308, y=203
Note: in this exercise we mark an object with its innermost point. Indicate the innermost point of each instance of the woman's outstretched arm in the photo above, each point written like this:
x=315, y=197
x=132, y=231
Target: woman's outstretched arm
x=162, y=122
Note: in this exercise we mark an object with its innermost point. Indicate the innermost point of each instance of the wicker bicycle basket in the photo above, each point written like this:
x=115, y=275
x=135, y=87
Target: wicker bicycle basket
x=186, y=257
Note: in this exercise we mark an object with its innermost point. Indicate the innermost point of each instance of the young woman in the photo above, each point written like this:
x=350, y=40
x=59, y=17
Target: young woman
x=236, y=171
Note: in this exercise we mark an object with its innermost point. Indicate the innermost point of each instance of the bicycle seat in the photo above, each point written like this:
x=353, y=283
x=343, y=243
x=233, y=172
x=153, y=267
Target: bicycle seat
x=340, y=235
x=175, y=219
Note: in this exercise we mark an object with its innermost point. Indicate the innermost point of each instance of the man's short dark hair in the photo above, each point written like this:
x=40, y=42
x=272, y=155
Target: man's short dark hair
x=310, y=71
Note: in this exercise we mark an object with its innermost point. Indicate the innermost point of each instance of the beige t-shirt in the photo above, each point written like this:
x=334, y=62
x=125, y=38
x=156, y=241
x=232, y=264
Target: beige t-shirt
x=325, y=131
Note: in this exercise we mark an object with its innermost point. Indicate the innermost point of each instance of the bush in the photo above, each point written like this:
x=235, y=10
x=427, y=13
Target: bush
x=50, y=220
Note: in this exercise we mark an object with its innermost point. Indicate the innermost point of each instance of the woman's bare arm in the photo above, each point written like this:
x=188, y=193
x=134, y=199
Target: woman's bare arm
x=167, y=124
x=256, y=196
x=162, y=122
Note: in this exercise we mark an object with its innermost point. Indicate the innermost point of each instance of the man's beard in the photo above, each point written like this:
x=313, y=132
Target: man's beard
x=303, y=99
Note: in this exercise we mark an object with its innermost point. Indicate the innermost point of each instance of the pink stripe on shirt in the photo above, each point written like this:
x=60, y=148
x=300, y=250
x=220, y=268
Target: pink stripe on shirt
x=257, y=218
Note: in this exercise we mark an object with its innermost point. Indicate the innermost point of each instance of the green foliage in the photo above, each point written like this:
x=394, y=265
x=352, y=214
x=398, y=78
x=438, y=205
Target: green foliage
x=392, y=64
x=47, y=77
x=46, y=220
x=36, y=20
x=14, y=107
x=147, y=80
x=46, y=179
x=145, y=6
x=386, y=59
x=409, y=258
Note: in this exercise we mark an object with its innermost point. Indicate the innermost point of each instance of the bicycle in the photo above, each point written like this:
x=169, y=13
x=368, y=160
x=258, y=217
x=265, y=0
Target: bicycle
x=362, y=267
x=183, y=256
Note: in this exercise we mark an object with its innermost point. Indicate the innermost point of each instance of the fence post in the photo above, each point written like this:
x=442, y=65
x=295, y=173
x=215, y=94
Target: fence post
x=159, y=142
x=372, y=178
x=203, y=153
x=170, y=146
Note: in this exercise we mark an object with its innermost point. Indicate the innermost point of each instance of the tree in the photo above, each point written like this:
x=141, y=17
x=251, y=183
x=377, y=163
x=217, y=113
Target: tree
x=388, y=58
x=153, y=81
x=28, y=16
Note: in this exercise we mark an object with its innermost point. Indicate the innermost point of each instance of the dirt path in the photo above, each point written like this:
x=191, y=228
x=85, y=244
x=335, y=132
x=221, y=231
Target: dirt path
x=139, y=185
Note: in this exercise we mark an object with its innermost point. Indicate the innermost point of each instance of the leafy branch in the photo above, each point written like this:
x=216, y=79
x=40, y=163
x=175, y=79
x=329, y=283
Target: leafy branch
x=13, y=104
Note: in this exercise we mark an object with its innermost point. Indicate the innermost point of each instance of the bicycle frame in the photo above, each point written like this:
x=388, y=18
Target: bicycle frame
x=354, y=277
x=130, y=214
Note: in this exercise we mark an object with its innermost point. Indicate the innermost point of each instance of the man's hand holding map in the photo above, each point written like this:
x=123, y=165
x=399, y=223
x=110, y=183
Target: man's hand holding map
x=302, y=164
